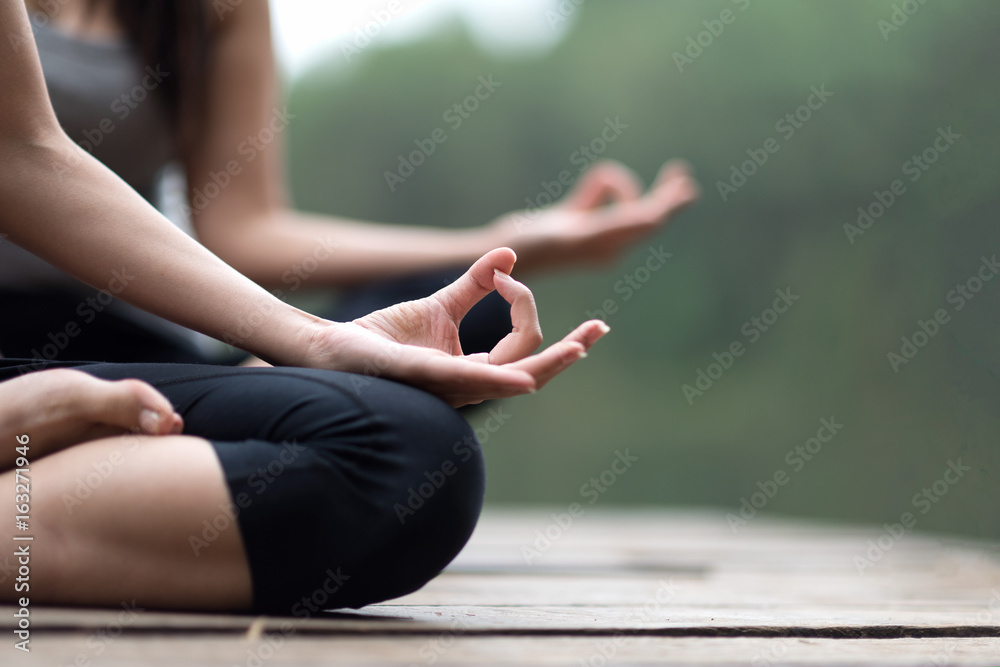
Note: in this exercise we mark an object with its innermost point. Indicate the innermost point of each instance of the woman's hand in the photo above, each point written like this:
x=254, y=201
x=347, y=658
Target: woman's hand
x=417, y=342
x=63, y=407
x=601, y=217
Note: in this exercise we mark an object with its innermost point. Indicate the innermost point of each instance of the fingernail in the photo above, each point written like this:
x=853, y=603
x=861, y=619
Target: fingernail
x=582, y=355
x=498, y=272
x=149, y=421
x=604, y=328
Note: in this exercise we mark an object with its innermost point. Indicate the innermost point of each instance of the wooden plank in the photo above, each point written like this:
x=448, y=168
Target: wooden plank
x=202, y=651
x=655, y=541
x=870, y=620
x=682, y=585
x=716, y=589
x=674, y=620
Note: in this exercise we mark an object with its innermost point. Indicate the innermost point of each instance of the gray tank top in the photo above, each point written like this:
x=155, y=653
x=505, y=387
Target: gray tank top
x=108, y=102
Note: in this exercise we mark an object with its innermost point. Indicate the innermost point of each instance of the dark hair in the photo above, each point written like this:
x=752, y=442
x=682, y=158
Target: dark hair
x=176, y=35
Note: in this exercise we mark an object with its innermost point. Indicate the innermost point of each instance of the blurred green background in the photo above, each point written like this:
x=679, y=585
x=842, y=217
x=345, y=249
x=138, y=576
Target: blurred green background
x=827, y=356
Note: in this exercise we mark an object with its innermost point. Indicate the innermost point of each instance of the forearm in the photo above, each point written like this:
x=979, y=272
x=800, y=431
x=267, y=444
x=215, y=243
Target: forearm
x=288, y=250
x=62, y=205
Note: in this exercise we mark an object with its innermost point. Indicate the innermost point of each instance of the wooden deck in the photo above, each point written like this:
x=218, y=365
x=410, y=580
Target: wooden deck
x=612, y=588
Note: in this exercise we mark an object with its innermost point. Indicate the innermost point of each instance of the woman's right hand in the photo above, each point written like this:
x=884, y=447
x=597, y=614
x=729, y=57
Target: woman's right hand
x=63, y=407
x=417, y=342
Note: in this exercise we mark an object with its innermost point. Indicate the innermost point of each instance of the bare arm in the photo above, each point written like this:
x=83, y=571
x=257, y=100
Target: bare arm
x=250, y=225
x=59, y=203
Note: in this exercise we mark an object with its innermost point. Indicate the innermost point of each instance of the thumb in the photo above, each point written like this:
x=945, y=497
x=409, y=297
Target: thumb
x=460, y=296
x=601, y=184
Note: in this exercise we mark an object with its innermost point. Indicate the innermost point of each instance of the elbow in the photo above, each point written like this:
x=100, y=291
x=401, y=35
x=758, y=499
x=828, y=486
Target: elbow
x=48, y=149
x=20, y=135
x=32, y=169
x=36, y=151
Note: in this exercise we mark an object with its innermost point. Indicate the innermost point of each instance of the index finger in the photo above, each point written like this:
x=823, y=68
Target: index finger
x=526, y=335
x=551, y=362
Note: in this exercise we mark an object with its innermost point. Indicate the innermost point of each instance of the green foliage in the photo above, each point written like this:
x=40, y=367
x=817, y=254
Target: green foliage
x=785, y=228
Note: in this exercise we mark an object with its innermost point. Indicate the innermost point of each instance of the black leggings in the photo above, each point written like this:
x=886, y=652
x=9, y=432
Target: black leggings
x=349, y=490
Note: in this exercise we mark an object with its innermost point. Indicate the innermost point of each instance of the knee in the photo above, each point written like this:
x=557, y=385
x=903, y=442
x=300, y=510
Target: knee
x=444, y=470
x=434, y=504
x=392, y=493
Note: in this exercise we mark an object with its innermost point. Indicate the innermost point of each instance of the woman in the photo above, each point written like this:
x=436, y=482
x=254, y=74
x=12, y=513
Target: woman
x=199, y=86
x=287, y=485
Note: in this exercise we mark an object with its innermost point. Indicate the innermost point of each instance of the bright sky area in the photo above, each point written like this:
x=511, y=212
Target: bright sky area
x=307, y=30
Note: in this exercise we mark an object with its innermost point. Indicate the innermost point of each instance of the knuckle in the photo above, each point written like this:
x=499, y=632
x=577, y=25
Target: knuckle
x=536, y=336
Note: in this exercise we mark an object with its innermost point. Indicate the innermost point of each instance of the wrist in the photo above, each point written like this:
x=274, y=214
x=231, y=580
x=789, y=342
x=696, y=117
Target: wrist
x=293, y=342
x=319, y=344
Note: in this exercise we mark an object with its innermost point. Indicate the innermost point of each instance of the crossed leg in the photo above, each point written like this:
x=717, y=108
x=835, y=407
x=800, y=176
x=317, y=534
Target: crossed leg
x=110, y=514
x=299, y=490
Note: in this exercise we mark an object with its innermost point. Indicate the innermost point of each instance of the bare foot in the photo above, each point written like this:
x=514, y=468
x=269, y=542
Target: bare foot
x=62, y=407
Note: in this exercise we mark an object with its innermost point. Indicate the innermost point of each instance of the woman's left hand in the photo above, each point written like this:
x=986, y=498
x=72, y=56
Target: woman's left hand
x=417, y=342
x=600, y=218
